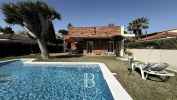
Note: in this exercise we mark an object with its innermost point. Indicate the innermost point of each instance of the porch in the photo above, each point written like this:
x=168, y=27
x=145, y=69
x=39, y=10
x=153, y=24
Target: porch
x=96, y=41
x=99, y=46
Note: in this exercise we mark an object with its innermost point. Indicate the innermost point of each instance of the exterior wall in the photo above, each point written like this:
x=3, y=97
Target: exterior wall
x=122, y=30
x=156, y=55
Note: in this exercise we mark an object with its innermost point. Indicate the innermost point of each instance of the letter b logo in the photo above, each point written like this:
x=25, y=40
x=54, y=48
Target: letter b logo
x=89, y=80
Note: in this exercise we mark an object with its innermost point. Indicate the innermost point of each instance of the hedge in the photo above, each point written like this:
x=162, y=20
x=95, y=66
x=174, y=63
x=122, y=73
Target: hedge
x=168, y=43
x=19, y=48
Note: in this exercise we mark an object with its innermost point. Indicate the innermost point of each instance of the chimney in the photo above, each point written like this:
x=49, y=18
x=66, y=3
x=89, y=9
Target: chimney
x=111, y=25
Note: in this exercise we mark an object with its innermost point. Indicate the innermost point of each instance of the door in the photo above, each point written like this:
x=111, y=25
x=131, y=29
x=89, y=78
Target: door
x=110, y=47
x=89, y=46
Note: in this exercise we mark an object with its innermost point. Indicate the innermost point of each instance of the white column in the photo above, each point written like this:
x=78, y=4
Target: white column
x=122, y=48
x=122, y=30
x=122, y=42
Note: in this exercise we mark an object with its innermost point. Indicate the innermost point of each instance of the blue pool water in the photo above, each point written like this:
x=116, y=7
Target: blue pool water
x=48, y=82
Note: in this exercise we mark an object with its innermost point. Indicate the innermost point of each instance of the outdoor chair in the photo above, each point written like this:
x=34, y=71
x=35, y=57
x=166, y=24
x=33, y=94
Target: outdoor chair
x=150, y=69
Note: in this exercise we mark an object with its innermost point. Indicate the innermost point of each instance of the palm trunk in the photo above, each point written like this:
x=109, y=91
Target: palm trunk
x=43, y=48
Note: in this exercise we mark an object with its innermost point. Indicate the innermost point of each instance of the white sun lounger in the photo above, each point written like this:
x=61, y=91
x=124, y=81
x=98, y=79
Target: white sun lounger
x=148, y=71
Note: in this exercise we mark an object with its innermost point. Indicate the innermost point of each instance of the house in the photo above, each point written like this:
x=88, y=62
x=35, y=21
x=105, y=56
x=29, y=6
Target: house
x=160, y=35
x=93, y=41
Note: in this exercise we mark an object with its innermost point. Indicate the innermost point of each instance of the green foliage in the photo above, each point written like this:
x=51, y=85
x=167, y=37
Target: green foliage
x=125, y=32
x=63, y=31
x=7, y=30
x=136, y=26
x=170, y=43
x=15, y=13
x=36, y=16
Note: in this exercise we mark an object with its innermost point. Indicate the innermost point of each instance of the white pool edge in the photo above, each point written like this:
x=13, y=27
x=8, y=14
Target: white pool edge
x=118, y=92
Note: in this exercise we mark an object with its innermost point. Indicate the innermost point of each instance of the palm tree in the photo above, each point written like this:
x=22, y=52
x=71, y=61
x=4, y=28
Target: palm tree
x=36, y=18
x=137, y=25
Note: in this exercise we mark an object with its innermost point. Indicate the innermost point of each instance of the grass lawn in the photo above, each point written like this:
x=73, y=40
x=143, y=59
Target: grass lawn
x=139, y=89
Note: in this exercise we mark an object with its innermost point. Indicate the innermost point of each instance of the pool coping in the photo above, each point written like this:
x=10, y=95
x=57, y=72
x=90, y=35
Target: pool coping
x=117, y=91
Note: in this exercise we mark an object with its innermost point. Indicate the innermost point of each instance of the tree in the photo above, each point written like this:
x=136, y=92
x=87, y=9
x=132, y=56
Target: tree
x=36, y=18
x=63, y=31
x=7, y=30
x=125, y=32
x=69, y=25
x=137, y=25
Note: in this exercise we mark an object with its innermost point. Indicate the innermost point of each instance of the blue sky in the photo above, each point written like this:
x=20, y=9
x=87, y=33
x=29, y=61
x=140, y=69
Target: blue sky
x=161, y=13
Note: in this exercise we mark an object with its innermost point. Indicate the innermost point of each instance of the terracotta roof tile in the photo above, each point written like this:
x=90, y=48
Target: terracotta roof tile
x=161, y=35
x=94, y=32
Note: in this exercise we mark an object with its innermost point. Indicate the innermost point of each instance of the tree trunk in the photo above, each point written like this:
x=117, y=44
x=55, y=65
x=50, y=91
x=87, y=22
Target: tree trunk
x=43, y=48
x=41, y=43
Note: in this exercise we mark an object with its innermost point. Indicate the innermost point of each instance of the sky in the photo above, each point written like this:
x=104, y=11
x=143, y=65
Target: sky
x=162, y=14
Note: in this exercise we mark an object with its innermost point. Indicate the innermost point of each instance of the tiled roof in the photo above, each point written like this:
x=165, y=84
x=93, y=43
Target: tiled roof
x=161, y=35
x=94, y=32
x=15, y=38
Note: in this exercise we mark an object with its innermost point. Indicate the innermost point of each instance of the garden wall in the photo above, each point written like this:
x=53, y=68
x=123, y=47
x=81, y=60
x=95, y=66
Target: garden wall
x=156, y=55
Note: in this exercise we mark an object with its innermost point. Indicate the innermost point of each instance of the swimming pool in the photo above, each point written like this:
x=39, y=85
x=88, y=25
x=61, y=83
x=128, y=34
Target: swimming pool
x=54, y=81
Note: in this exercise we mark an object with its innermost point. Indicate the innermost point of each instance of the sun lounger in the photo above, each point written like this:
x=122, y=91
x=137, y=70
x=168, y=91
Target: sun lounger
x=153, y=69
x=150, y=69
